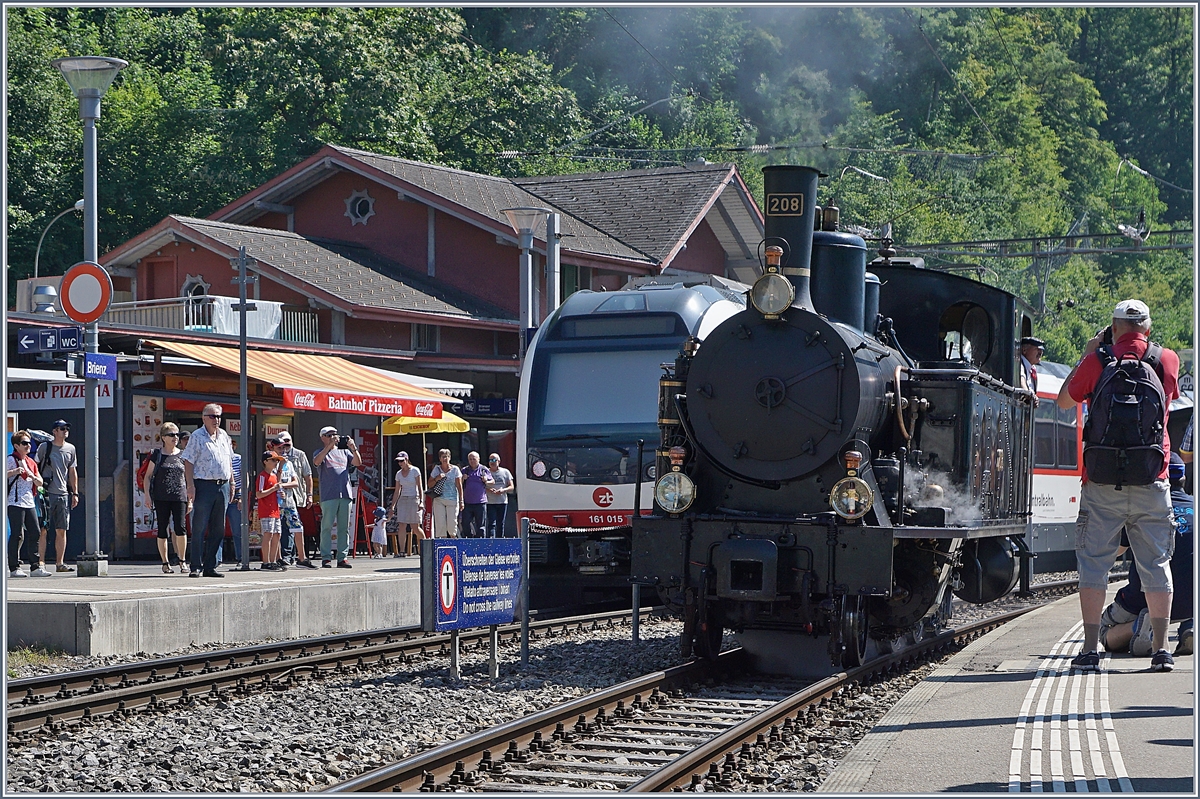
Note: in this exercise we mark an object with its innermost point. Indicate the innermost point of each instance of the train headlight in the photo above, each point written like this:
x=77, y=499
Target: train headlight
x=555, y=473
x=539, y=469
x=772, y=294
x=851, y=498
x=674, y=492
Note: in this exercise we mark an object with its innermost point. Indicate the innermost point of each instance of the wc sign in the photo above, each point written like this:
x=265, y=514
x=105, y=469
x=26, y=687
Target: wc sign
x=469, y=582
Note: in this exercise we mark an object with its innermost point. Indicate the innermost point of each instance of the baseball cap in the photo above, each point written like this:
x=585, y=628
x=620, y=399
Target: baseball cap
x=271, y=456
x=1132, y=311
x=328, y=430
x=401, y=456
x=60, y=423
x=284, y=436
x=1037, y=342
x=1178, y=468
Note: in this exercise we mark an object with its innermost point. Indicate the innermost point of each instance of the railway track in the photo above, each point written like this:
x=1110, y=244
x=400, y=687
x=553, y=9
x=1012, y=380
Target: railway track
x=691, y=727
x=52, y=702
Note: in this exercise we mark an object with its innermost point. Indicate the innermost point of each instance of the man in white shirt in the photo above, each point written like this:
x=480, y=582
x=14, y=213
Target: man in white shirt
x=208, y=469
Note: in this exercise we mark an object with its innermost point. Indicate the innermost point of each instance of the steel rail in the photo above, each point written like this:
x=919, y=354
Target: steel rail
x=444, y=767
x=442, y=761
x=52, y=700
x=689, y=768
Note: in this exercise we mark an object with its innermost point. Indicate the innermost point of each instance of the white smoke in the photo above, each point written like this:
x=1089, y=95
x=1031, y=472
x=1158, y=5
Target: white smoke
x=932, y=489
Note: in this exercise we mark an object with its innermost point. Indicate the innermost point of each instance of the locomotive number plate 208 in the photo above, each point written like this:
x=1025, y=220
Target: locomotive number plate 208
x=785, y=205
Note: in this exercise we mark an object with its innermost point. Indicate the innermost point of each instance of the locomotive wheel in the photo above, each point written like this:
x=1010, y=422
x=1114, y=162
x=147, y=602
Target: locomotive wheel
x=854, y=632
x=709, y=634
x=916, y=590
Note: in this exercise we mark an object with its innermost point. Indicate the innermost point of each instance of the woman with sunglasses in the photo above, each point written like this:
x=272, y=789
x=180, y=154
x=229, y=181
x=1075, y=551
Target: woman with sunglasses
x=167, y=487
x=23, y=483
x=407, y=502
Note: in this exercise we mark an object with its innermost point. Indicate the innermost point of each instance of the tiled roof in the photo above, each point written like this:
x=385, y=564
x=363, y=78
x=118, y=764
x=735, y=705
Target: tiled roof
x=489, y=196
x=647, y=209
x=349, y=271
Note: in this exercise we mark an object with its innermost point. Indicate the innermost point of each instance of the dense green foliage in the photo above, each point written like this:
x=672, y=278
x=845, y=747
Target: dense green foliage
x=960, y=124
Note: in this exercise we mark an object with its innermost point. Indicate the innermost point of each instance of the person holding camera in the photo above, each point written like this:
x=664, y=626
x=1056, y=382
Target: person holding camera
x=332, y=463
x=1125, y=472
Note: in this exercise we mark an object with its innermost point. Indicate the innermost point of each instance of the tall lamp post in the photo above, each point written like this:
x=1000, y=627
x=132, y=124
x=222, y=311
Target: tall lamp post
x=37, y=254
x=89, y=78
x=524, y=221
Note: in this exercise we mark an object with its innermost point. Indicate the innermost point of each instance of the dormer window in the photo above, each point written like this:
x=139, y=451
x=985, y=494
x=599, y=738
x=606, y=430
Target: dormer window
x=360, y=206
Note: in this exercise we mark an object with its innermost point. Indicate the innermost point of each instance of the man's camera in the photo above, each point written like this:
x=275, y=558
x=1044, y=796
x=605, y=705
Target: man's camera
x=343, y=442
x=1106, y=337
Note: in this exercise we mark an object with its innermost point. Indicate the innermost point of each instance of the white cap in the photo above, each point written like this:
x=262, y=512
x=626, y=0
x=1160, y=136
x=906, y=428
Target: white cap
x=328, y=429
x=1132, y=311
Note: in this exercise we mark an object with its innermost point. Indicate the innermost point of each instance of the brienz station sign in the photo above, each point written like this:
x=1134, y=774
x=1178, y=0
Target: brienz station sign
x=469, y=582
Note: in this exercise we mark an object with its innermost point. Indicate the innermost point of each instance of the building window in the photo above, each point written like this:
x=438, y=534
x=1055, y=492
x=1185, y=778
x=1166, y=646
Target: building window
x=425, y=338
x=360, y=207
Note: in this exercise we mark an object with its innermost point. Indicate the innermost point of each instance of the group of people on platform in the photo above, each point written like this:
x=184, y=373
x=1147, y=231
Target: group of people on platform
x=194, y=481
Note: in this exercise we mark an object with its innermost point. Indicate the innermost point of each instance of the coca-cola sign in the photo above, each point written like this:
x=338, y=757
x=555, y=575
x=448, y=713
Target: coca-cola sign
x=344, y=402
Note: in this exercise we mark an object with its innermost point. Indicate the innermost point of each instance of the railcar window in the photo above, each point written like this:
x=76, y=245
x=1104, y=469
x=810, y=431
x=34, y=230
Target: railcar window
x=1045, y=436
x=1068, y=448
x=614, y=326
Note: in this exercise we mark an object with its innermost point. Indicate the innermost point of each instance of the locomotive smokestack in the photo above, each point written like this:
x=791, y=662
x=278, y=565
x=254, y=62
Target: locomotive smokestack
x=791, y=202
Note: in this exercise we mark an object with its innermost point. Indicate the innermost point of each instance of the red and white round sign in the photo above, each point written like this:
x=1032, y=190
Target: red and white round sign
x=447, y=584
x=85, y=292
x=603, y=497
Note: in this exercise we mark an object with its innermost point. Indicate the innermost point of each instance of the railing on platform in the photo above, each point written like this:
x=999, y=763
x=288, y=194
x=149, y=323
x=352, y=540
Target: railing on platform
x=195, y=314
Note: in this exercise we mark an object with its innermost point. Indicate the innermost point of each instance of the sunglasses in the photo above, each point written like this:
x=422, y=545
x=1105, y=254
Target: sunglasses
x=212, y=416
x=20, y=443
x=170, y=435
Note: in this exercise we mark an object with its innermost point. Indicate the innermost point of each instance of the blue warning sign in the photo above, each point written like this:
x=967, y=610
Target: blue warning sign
x=469, y=582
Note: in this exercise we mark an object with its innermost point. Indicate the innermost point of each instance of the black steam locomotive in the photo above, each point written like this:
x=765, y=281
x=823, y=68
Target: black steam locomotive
x=843, y=452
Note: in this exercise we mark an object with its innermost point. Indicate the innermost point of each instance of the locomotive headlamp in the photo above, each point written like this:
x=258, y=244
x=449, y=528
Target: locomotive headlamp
x=674, y=492
x=851, y=498
x=772, y=294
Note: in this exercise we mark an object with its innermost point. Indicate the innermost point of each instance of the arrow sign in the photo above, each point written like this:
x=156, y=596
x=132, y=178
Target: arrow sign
x=27, y=340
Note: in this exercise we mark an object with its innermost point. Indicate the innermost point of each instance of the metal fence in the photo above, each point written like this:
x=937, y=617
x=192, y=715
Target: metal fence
x=297, y=325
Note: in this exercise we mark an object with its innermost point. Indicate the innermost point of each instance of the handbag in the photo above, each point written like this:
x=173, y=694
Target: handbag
x=435, y=490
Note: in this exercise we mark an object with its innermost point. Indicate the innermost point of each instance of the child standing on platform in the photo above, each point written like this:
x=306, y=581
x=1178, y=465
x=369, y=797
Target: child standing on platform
x=267, y=493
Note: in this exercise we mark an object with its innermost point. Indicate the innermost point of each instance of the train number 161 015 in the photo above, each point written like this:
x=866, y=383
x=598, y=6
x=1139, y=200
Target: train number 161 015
x=607, y=518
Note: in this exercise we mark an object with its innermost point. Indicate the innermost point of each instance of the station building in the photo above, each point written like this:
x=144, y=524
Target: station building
x=376, y=277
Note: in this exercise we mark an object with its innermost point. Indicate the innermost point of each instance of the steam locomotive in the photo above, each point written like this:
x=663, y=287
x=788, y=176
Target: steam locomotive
x=842, y=453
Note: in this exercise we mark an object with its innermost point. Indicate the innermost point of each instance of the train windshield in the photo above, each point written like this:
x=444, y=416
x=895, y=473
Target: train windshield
x=610, y=393
x=593, y=407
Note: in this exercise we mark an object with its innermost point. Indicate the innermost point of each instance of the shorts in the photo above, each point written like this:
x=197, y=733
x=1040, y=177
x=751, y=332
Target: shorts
x=270, y=525
x=58, y=512
x=1145, y=514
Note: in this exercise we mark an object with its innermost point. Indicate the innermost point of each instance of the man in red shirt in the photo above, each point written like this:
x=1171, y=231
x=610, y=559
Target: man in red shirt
x=1144, y=511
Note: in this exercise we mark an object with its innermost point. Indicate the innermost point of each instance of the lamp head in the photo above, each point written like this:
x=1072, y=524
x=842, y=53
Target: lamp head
x=525, y=220
x=89, y=75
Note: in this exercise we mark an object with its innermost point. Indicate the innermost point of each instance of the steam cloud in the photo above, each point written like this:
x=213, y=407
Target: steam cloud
x=936, y=490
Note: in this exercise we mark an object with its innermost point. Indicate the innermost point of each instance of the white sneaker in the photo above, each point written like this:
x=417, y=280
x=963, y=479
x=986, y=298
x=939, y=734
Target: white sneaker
x=40, y=572
x=17, y=573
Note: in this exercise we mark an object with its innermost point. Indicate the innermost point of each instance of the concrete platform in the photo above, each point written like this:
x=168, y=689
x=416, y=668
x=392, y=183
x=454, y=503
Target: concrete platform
x=138, y=608
x=1007, y=715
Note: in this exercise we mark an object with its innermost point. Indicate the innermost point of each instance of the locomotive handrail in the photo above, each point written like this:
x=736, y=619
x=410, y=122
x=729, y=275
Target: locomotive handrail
x=900, y=403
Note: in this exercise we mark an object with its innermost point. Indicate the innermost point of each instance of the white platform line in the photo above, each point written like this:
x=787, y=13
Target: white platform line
x=1093, y=736
x=1114, y=749
x=1039, y=691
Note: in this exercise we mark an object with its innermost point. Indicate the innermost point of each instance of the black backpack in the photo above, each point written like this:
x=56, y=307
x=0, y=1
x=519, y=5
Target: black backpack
x=1123, y=435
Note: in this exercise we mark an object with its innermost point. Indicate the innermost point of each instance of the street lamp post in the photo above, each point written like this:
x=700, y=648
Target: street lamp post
x=524, y=221
x=89, y=78
x=78, y=206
